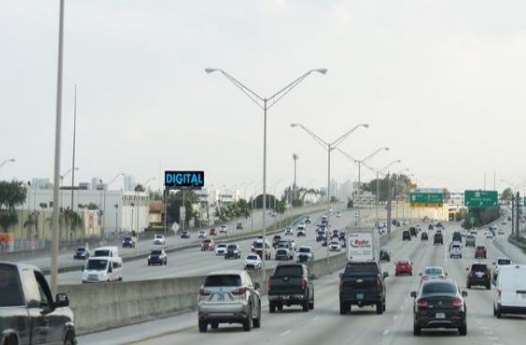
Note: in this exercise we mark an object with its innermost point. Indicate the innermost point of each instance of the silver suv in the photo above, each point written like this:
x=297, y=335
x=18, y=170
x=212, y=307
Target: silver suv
x=229, y=297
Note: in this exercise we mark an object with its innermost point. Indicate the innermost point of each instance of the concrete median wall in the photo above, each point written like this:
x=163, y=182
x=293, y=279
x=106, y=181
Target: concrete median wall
x=103, y=306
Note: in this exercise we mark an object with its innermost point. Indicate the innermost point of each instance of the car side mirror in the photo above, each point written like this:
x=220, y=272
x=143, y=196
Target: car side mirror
x=61, y=300
x=413, y=294
x=464, y=294
x=257, y=286
x=385, y=275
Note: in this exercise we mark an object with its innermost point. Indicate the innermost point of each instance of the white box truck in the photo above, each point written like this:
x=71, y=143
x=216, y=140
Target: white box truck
x=362, y=246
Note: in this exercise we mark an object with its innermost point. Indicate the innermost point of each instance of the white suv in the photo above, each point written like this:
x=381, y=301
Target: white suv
x=229, y=297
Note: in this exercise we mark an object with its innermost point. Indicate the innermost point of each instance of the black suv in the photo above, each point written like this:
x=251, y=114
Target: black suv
x=439, y=304
x=438, y=238
x=424, y=236
x=412, y=231
x=288, y=285
x=362, y=284
x=406, y=236
x=479, y=275
x=457, y=237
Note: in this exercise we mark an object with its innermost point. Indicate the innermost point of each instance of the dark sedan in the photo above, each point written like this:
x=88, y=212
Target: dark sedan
x=157, y=257
x=439, y=304
x=81, y=254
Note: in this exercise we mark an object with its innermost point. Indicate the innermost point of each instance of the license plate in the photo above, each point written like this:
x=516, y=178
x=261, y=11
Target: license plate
x=359, y=296
x=440, y=315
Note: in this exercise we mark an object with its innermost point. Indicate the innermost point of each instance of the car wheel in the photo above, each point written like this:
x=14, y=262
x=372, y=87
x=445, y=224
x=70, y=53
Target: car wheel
x=343, y=308
x=498, y=313
x=311, y=305
x=257, y=322
x=247, y=323
x=280, y=307
x=271, y=308
x=306, y=306
x=488, y=286
x=463, y=330
x=469, y=286
x=203, y=326
x=416, y=330
x=214, y=325
x=70, y=340
x=379, y=308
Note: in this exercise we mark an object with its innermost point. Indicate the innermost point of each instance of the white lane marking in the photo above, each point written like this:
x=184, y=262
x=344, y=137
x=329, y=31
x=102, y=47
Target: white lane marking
x=386, y=332
x=285, y=333
x=315, y=318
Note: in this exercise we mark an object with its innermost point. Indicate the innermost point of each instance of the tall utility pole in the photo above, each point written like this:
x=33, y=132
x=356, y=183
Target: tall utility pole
x=265, y=103
x=74, y=142
x=512, y=214
x=56, y=177
x=295, y=158
x=389, y=197
x=517, y=215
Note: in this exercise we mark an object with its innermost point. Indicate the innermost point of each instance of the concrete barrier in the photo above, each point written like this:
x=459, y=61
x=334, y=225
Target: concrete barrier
x=104, y=306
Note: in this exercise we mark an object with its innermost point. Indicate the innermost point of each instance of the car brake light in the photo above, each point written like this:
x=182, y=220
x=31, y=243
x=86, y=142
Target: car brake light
x=240, y=291
x=457, y=302
x=204, y=292
x=303, y=284
x=422, y=303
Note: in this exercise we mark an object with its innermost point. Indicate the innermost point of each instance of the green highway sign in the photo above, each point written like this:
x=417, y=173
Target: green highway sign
x=421, y=199
x=480, y=198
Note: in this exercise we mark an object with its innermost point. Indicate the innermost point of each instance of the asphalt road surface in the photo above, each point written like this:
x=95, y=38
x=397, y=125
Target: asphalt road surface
x=191, y=262
x=324, y=325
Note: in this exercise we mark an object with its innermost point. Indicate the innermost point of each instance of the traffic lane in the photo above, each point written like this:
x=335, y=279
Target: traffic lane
x=194, y=262
x=482, y=325
x=324, y=325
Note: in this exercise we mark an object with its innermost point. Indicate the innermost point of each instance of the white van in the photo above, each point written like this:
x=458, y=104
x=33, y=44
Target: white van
x=510, y=291
x=455, y=250
x=102, y=269
x=112, y=252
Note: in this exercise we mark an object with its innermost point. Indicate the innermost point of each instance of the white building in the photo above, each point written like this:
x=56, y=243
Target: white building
x=121, y=211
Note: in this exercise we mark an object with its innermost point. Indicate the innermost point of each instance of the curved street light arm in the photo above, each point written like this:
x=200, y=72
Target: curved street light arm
x=346, y=134
x=319, y=140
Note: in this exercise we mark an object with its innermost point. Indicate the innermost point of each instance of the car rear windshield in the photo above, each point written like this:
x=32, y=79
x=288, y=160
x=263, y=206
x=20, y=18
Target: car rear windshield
x=504, y=262
x=288, y=271
x=127, y=238
x=102, y=253
x=281, y=252
x=11, y=293
x=252, y=257
x=156, y=252
x=366, y=267
x=433, y=271
x=232, y=247
x=479, y=268
x=439, y=287
x=304, y=250
x=97, y=265
x=223, y=280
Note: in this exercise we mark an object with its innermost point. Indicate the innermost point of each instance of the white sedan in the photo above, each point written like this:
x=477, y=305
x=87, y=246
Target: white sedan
x=221, y=249
x=159, y=239
x=335, y=246
x=253, y=261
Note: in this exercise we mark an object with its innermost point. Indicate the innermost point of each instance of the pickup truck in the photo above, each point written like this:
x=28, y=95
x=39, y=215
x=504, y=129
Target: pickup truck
x=362, y=284
x=288, y=285
x=28, y=313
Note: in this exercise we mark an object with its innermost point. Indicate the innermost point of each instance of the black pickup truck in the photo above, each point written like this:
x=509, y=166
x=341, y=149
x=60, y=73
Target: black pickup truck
x=290, y=284
x=362, y=284
x=28, y=313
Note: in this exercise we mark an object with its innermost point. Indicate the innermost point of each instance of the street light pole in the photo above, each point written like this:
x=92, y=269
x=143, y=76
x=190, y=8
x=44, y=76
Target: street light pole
x=74, y=144
x=265, y=103
x=329, y=146
x=56, y=177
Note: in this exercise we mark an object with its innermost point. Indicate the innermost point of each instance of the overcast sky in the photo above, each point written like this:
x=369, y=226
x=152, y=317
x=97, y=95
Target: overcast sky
x=442, y=83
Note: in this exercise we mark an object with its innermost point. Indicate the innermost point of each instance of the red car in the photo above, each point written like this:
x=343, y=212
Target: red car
x=403, y=267
x=481, y=252
x=212, y=232
x=207, y=245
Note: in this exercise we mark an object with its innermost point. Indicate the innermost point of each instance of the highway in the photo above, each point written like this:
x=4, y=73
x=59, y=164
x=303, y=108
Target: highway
x=192, y=261
x=324, y=325
x=66, y=258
